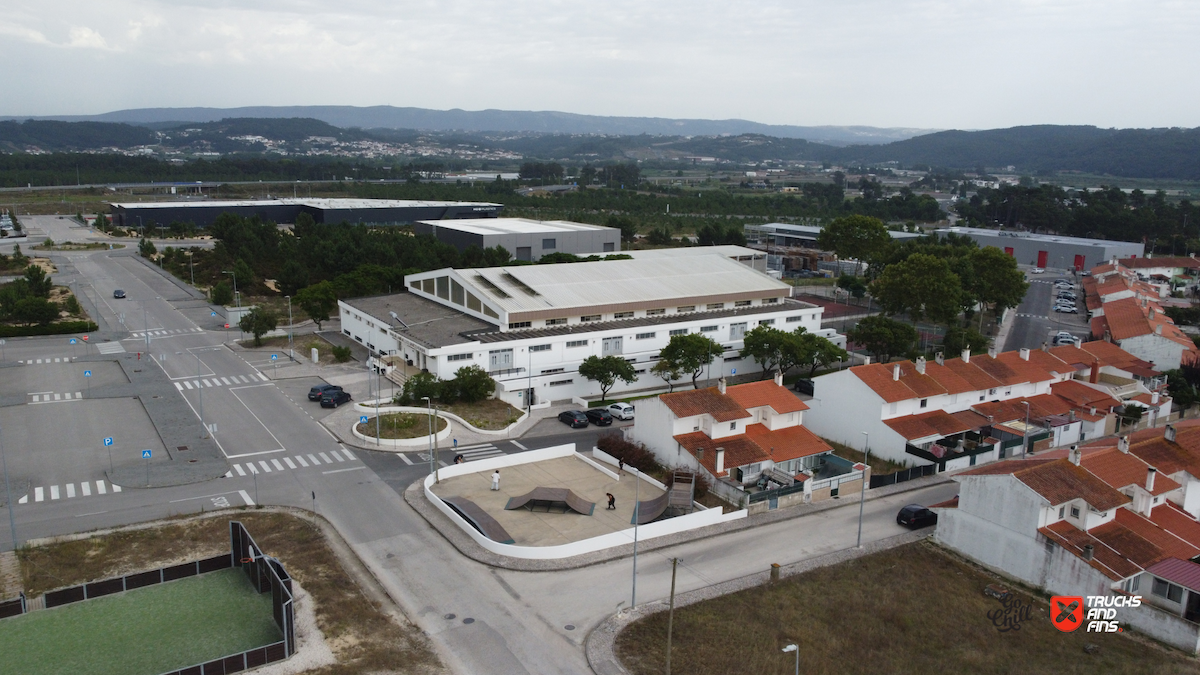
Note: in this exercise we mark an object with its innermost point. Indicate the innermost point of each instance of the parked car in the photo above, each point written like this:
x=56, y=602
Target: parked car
x=316, y=392
x=1060, y=341
x=1085, y=273
x=332, y=399
x=621, y=411
x=915, y=516
x=1064, y=334
x=1036, y=270
x=804, y=387
x=573, y=419
x=599, y=416
x=1063, y=283
x=1067, y=294
x=118, y=294
x=1067, y=309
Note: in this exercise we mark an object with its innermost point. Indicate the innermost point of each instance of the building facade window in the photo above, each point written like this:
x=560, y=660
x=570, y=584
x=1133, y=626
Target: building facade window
x=645, y=336
x=1164, y=589
x=1074, y=511
x=623, y=315
x=576, y=343
x=737, y=330
x=679, y=331
x=556, y=322
x=559, y=383
x=549, y=244
x=519, y=324
x=770, y=301
x=924, y=402
x=500, y=359
x=539, y=348
x=733, y=426
x=708, y=329
x=686, y=308
x=590, y=317
x=742, y=303
x=656, y=312
x=715, y=305
x=767, y=322
x=551, y=371
x=460, y=357
x=794, y=319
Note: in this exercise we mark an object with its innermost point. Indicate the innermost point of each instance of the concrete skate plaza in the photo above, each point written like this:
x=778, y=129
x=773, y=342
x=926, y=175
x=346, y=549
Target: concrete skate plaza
x=539, y=528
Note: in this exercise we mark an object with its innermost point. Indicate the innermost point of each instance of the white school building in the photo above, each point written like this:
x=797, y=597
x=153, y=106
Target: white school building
x=530, y=326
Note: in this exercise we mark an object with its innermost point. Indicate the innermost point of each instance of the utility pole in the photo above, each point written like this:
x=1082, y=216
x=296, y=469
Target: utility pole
x=12, y=523
x=201, y=395
x=671, y=613
x=291, y=351
x=862, y=495
x=636, y=506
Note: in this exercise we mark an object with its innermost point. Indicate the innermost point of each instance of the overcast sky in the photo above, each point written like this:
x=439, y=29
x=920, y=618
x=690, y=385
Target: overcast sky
x=890, y=63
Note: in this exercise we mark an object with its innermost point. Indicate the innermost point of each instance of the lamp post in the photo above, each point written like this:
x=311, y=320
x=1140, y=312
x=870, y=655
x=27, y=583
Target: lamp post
x=636, y=506
x=238, y=298
x=671, y=613
x=794, y=648
x=291, y=351
x=200, y=393
x=1025, y=431
x=12, y=524
x=862, y=495
x=191, y=270
x=429, y=404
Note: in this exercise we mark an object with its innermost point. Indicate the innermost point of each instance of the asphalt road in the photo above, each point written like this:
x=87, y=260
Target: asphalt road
x=1036, y=322
x=276, y=452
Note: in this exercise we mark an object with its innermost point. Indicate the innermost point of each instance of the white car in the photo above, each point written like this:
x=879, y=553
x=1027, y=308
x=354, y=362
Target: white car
x=1036, y=270
x=621, y=411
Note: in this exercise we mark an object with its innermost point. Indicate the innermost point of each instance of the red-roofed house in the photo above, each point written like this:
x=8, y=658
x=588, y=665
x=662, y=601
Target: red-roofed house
x=742, y=435
x=1097, y=522
x=1125, y=309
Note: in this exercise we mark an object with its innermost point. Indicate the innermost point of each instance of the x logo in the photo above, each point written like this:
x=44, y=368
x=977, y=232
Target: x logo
x=1066, y=612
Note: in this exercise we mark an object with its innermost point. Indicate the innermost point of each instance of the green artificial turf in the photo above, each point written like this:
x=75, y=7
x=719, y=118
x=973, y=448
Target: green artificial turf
x=142, y=632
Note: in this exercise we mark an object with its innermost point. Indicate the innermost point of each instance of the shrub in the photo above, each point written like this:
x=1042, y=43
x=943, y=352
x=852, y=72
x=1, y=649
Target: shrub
x=634, y=454
x=418, y=387
x=472, y=384
x=342, y=354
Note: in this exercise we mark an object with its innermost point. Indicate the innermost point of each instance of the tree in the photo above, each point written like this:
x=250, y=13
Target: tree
x=854, y=285
x=995, y=279
x=668, y=371
x=318, y=301
x=689, y=354
x=628, y=228
x=146, y=248
x=473, y=384
x=1184, y=385
x=221, y=294
x=606, y=370
x=37, y=282
x=921, y=286
x=958, y=339
x=772, y=349
x=35, y=310
x=883, y=337
x=818, y=351
x=244, y=273
x=419, y=386
x=292, y=277
x=861, y=238
x=258, y=322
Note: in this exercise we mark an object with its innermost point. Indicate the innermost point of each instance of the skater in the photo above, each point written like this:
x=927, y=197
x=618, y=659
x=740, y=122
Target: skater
x=496, y=480
x=612, y=501
x=459, y=459
x=621, y=465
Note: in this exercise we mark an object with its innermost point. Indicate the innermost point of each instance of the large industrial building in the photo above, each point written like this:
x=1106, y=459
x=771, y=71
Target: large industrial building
x=790, y=235
x=202, y=213
x=1050, y=250
x=527, y=240
x=530, y=326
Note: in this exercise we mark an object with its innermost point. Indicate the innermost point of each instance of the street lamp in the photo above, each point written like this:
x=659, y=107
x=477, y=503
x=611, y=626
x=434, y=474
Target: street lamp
x=794, y=648
x=191, y=270
x=1025, y=431
x=862, y=497
x=291, y=351
x=429, y=404
x=238, y=298
x=12, y=524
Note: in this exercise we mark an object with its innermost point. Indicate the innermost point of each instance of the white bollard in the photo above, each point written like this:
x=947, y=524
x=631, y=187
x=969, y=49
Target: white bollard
x=315, y=356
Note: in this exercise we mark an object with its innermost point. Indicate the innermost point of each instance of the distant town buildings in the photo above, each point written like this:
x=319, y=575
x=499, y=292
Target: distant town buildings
x=202, y=213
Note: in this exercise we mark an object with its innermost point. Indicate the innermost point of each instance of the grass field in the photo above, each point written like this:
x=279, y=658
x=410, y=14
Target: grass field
x=142, y=632
x=912, y=609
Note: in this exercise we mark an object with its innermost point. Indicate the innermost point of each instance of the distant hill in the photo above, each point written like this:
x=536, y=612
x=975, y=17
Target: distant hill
x=54, y=136
x=1142, y=153
x=391, y=117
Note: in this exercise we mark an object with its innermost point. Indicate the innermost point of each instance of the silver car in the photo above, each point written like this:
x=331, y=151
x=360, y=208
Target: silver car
x=621, y=411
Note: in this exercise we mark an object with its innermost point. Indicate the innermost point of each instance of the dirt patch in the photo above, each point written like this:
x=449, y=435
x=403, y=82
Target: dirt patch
x=303, y=344
x=492, y=413
x=912, y=609
x=362, y=634
x=879, y=465
x=401, y=425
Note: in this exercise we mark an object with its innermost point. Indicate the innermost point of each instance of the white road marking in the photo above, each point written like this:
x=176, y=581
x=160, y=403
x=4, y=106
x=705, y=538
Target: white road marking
x=252, y=468
x=197, y=383
x=53, y=492
x=348, y=454
x=277, y=465
x=23, y=500
x=180, y=386
x=265, y=467
x=315, y=461
x=228, y=474
x=443, y=463
x=238, y=468
x=79, y=394
x=301, y=460
x=246, y=498
x=288, y=462
x=207, y=383
x=70, y=490
x=116, y=488
x=336, y=455
x=264, y=378
x=226, y=380
x=186, y=384
x=58, y=397
x=325, y=457
x=518, y=445
x=353, y=468
x=86, y=488
x=100, y=489
x=405, y=458
x=252, y=454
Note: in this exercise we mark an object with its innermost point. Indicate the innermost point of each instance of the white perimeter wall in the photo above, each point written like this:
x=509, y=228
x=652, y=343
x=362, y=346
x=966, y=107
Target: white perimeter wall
x=657, y=529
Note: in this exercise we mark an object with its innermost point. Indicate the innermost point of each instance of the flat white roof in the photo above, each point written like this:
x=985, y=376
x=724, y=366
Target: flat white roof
x=564, y=286
x=314, y=203
x=1034, y=237
x=514, y=226
x=728, y=250
x=815, y=230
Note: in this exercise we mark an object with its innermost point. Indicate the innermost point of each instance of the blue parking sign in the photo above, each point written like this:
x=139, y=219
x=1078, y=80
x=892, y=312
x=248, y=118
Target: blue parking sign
x=212, y=313
x=108, y=441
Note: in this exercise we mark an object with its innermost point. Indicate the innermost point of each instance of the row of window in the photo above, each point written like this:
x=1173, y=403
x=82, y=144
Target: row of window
x=587, y=318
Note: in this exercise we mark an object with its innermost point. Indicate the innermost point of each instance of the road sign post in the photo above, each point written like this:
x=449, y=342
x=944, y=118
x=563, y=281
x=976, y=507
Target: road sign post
x=73, y=342
x=87, y=375
x=1, y=350
x=146, y=456
x=108, y=442
x=275, y=365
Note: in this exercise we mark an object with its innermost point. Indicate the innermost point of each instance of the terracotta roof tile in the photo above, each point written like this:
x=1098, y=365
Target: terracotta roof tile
x=786, y=443
x=1169, y=458
x=998, y=370
x=1031, y=370
x=1177, y=521
x=1129, y=544
x=1080, y=395
x=1164, y=261
x=925, y=425
x=1049, y=362
x=701, y=401
x=766, y=393
x=979, y=380
x=1120, y=470
x=1168, y=544
x=922, y=385
x=739, y=450
x=949, y=380
x=1060, y=481
x=1105, y=559
x=1007, y=466
x=879, y=378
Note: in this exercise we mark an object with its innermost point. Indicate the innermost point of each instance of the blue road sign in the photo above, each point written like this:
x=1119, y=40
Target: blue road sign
x=87, y=373
x=274, y=357
x=108, y=441
x=74, y=341
x=212, y=313
x=362, y=420
x=145, y=454
x=733, y=371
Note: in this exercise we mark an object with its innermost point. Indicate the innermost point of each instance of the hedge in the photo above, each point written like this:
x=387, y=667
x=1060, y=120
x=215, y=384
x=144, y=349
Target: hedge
x=51, y=329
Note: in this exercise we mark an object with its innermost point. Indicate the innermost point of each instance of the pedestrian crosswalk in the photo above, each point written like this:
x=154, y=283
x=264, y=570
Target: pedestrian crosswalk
x=255, y=467
x=160, y=333
x=50, y=397
x=109, y=347
x=68, y=491
x=1033, y=316
x=473, y=453
x=42, y=362
x=213, y=381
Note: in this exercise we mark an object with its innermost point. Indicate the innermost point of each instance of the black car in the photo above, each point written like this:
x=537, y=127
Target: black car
x=804, y=387
x=599, y=416
x=915, y=516
x=573, y=419
x=118, y=294
x=332, y=399
x=318, y=391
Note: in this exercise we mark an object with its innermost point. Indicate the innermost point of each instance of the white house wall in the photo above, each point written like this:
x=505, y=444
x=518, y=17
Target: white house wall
x=843, y=407
x=1165, y=354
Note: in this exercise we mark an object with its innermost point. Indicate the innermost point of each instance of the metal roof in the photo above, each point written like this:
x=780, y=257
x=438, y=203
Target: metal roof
x=729, y=251
x=667, y=280
x=514, y=226
x=980, y=231
x=325, y=204
x=1182, y=572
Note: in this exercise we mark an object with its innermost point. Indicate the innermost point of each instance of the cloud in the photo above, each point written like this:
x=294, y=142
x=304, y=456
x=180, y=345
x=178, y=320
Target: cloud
x=84, y=37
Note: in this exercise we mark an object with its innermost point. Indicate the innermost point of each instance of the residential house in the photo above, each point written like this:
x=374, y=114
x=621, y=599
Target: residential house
x=1124, y=306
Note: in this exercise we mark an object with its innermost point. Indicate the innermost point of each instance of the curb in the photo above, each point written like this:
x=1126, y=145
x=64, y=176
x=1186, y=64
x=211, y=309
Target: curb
x=600, y=643
x=414, y=494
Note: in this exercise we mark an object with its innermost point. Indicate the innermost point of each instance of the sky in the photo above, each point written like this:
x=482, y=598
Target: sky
x=965, y=64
